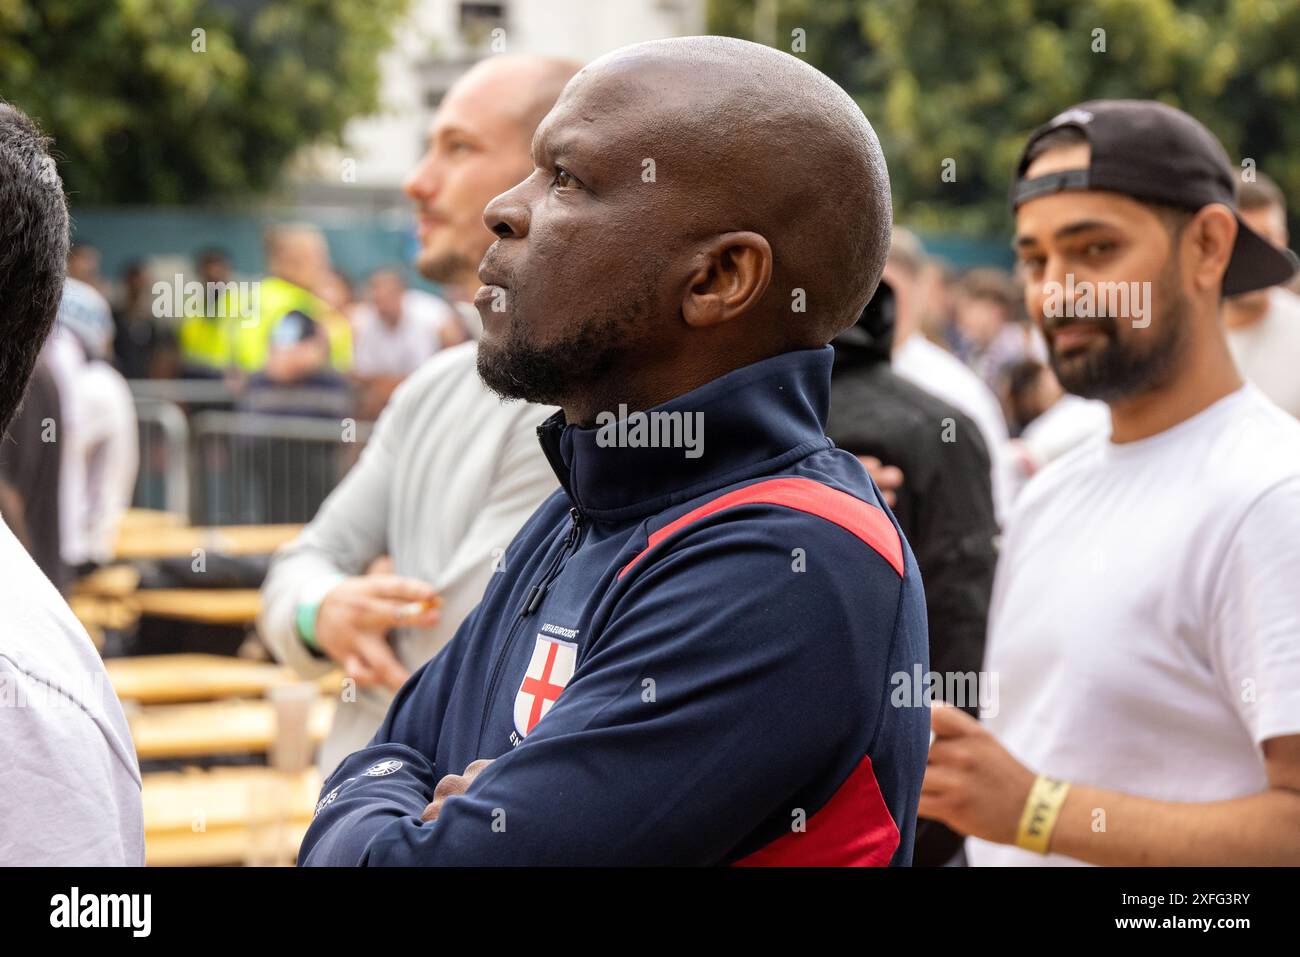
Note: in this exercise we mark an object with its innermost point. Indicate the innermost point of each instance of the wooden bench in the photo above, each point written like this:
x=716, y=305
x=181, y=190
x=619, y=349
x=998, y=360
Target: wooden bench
x=213, y=606
x=216, y=728
x=227, y=815
x=110, y=598
x=169, y=679
x=144, y=541
x=134, y=518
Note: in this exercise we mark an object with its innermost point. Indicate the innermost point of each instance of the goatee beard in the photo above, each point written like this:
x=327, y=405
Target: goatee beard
x=1117, y=370
x=584, y=362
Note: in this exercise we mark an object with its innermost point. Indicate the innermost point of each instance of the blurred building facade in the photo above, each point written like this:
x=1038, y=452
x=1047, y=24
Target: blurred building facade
x=354, y=193
x=440, y=41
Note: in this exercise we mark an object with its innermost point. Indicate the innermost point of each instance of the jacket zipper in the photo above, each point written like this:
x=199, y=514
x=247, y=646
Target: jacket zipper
x=532, y=601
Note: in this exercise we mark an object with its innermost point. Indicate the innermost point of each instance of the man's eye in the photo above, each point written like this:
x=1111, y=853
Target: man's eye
x=1099, y=248
x=1033, y=265
x=564, y=179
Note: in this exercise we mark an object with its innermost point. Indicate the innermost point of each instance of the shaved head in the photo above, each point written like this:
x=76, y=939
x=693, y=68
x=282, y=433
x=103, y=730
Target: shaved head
x=478, y=146
x=697, y=204
x=528, y=86
x=778, y=148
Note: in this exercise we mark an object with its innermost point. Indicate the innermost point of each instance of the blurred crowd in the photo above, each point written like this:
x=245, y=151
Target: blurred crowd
x=301, y=339
x=304, y=323
x=306, y=330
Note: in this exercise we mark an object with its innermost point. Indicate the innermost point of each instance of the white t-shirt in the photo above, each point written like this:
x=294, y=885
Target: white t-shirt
x=383, y=350
x=69, y=781
x=1145, y=624
x=1268, y=352
x=939, y=372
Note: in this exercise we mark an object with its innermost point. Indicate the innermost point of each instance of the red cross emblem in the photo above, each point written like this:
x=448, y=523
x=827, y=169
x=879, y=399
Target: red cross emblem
x=548, y=672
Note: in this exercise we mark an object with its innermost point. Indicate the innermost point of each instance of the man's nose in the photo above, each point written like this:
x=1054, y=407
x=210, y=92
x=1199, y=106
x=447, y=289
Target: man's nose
x=1048, y=287
x=1056, y=272
x=422, y=181
x=507, y=215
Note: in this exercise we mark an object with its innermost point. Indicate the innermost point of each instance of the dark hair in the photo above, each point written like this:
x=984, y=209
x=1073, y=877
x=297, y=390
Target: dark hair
x=1022, y=375
x=212, y=254
x=1260, y=194
x=1022, y=379
x=33, y=251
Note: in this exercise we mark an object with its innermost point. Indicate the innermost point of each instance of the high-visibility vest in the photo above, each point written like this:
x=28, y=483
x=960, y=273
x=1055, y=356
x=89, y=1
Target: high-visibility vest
x=209, y=340
x=276, y=299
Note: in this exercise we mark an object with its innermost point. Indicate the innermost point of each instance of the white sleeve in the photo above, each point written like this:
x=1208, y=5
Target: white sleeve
x=68, y=798
x=1255, y=615
x=349, y=531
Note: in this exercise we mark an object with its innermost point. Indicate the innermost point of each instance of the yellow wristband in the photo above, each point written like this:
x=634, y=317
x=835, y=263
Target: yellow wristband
x=1042, y=808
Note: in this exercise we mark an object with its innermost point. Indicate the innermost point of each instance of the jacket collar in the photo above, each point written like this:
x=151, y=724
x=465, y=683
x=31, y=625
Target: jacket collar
x=751, y=421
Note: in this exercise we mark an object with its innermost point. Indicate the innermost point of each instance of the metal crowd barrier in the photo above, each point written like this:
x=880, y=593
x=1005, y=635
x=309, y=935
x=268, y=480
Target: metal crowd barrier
x=224, y=458
x=257, y=468
x=163, y=481
x=185, y=392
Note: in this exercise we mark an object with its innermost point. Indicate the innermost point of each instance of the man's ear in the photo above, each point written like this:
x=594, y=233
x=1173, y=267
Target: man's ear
x=731, y=273
x=1212, y=232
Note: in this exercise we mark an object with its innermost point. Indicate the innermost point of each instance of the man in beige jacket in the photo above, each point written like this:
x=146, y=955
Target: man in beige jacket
x=450, y=473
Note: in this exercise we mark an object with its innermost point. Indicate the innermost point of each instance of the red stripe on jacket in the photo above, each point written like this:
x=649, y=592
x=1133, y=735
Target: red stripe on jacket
x=867, y=522
x=853, y=829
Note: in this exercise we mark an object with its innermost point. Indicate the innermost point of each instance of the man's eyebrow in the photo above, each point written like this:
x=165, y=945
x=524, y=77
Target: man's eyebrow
x=538, y=146
x=565, y=145
x=450, y=129
x=568, y=150
x=1065, y=232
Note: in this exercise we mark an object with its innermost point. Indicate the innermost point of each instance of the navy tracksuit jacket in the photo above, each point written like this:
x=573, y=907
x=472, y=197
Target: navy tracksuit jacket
x=681, y=660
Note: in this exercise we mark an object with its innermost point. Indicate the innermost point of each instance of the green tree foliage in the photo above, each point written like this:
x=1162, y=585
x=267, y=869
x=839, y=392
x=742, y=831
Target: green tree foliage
x=145, y=109
x=967, y=80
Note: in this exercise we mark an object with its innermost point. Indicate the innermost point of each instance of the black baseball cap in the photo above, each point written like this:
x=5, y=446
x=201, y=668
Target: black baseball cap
x=1160, y=154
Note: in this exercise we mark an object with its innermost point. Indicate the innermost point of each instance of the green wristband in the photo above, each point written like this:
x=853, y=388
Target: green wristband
x=304, y=616
x=304, y=620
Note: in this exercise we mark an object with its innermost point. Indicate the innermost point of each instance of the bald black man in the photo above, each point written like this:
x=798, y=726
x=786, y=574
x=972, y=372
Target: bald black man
x=692, y=652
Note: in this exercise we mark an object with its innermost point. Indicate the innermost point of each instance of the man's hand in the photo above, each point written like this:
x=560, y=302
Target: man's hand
x=296, y=361
x=354, y=619
x=450, y=786
x=972, y=783
x=888, y=477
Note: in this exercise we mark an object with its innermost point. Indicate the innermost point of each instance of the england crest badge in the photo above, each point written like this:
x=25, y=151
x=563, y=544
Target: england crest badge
x=548, y=672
